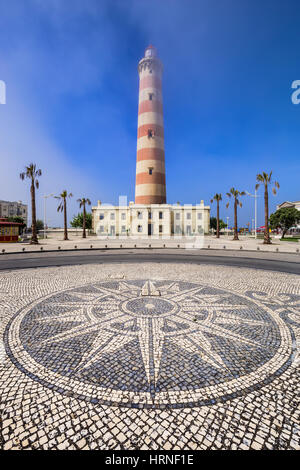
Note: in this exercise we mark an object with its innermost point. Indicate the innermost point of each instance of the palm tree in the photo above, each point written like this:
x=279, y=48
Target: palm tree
x=217, y=197
x=265, y=179
x=235, y=194
x=63, y=207
x=82, y=203
x=32, y=173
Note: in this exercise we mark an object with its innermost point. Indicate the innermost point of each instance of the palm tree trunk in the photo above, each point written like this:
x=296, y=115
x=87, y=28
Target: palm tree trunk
x=267, y=240
x=84, y=222
x=65, y=220
x=34, y=239
x=236, y=237
x=218, y=220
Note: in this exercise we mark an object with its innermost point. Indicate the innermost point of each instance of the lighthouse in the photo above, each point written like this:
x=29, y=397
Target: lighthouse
x=150, y=183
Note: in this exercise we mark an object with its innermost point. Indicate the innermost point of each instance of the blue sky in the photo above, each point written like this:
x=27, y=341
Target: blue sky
x=72, y=96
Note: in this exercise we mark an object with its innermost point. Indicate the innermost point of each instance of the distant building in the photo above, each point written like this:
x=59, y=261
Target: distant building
x=296, y=205
x=14, y=209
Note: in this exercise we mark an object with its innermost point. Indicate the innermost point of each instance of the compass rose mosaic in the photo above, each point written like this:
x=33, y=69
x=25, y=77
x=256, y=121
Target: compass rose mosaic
x=149, y=344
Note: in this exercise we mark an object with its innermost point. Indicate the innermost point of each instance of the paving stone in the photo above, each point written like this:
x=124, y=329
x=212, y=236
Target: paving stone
x=212, y=358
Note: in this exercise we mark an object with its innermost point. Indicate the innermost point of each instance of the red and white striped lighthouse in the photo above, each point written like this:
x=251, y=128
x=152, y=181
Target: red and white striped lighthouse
x=150, y=185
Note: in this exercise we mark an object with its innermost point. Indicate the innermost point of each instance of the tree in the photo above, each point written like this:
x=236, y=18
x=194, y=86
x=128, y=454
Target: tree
x=235, y=194
x=77, y=221
x=82, y=203
x=39, y=225
x=32, y=173
x=213, y=223
x=62, y=207
x=217, y=197
x=266, y=180
x=284, y=218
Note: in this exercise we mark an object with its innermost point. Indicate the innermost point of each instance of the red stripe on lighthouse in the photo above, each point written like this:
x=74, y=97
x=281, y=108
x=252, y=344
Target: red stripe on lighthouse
x=143, y=130
x=150, y=82
x=145, y=178
x=153, y=106
x=150, y=154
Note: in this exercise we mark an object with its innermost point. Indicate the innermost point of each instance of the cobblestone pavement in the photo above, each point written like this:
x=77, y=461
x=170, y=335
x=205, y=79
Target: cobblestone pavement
x=152, y=356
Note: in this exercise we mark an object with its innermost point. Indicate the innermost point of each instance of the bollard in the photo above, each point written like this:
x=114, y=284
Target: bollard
x=134, y=246
x=91, y=246
x=241, y=247
x=75, y=246
x=121, y=246
x=178, y=246
x=277, y=249
x=164, y=246
x=3, y=251
x=208, y=246
x=105, y=246
x=23, y=249
x=149, y=246
x=41, y=248
x=224, y=247
x=58, y=247
x=258, y=248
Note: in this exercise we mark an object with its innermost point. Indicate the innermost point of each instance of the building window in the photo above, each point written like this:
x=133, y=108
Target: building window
x=123, y=216
x=150, y=171
x=199, y=216
x=150, y=133
x=123, y=229
x=151, y=96
x=188, y=216
x=140, y=228
x=188, y=230
x=177, y=229
x=139, y=215
x=150, y=215
x=101, y=228
x=112, y=216
x=150, y=71
x=160, y=215
x=160, y=229
x=101, y=216
x=200, y=229
x=177, y=216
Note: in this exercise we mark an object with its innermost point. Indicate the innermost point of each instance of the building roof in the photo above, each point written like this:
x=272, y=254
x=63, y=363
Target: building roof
x=288, y=204
x=7, y=222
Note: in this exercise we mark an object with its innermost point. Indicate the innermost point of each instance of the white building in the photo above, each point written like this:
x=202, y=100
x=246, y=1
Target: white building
x=157, y=220
x=14, y=209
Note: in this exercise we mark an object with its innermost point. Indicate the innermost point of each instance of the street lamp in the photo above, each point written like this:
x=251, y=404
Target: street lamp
x=45, y=198
x=255, y=195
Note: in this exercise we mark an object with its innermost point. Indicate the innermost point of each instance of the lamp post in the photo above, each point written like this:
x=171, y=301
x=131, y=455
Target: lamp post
x=45, y=198
x=227, y=226
x=255, y=195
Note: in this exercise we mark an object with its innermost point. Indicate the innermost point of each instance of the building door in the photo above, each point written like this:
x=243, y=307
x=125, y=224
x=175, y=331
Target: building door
x=112, y=230
x=150, y=229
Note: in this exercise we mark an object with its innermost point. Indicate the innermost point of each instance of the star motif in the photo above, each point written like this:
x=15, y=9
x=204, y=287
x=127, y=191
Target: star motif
x=200, y=315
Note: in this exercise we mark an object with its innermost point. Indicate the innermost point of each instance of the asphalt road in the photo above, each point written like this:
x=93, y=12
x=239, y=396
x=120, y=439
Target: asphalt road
x=267, y=261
